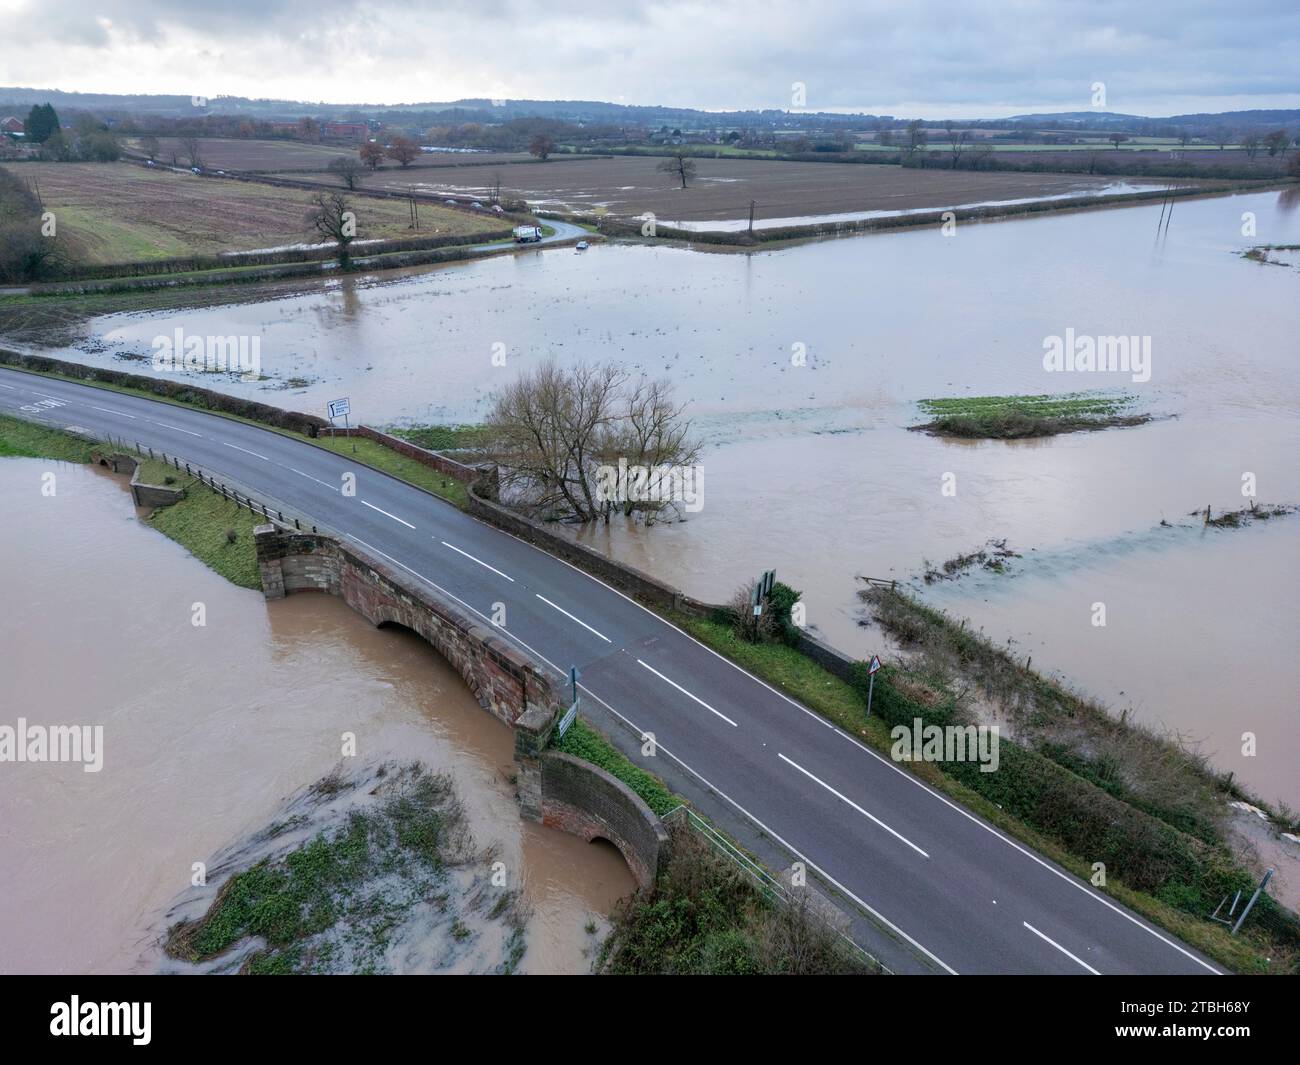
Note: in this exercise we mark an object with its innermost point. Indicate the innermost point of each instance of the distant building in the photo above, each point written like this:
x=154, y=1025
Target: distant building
x=353, y=131
x=12, y=126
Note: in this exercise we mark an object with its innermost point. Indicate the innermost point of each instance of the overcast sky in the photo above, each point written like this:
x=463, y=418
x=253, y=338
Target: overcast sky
x=927, y=58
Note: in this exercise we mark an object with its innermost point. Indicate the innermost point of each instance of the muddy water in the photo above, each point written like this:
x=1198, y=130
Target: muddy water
x=207, y=730
x=885, y=319
x=1199, y=637
x=810, y=469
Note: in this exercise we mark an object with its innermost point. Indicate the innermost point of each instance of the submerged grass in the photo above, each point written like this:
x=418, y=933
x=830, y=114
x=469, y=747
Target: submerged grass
x=338, y=901
x=1013, y=417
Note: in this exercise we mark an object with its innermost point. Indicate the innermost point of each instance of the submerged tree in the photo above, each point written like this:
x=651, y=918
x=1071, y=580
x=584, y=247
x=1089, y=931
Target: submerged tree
x=581, y=442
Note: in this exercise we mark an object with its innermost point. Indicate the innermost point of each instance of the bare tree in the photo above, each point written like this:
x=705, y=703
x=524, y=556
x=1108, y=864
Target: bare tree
x=348, y=170
x=1251, y=143
x=680, y=165
x=569, y=440
x=958, y=139
x=192, y=149
x=916, y=137
x=149, y=145
x=1277, y=141
x=332, y=218
x=1222, y=135
x=653, y=434
x=494, y=193
x=372, y=154
x=1117, y=139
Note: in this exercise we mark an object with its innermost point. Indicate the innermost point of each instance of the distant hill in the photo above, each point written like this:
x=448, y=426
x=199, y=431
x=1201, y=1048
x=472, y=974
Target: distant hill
x=1107, y=119
x=16, y=100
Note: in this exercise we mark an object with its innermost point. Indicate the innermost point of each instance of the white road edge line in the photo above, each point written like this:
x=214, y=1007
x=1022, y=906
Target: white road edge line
x=245, y=450
x=385, y=513
x=1058, y=946
x=688, y=694
x=1096, y=896
x=571, y=617
x=176, y=427
x=478, y=560
x=107, y=410
x=867, y=907
x=311, y=478
x=845, y=799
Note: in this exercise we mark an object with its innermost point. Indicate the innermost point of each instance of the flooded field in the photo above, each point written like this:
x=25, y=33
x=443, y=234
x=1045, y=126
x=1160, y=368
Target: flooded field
x=810, y=468
x=632, y=185
x=208, y=730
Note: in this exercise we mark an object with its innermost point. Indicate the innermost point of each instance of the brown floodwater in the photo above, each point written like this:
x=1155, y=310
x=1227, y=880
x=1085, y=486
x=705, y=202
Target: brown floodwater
x=207, y=730
x=811, y=469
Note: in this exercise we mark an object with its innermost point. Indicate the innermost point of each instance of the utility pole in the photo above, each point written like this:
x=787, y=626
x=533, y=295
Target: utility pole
x=752, y=205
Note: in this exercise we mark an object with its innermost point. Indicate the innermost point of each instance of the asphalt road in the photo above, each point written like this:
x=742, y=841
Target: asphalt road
x=967, y=898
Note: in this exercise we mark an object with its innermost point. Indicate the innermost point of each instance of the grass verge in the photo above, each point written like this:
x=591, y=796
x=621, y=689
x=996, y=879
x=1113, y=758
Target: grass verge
x=704, y=916
x=391, y=462
x=586, y=743
x=367, y=451
x=23, y=439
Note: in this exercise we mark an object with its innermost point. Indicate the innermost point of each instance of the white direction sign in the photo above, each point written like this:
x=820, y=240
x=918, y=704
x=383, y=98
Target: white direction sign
x=338, y=408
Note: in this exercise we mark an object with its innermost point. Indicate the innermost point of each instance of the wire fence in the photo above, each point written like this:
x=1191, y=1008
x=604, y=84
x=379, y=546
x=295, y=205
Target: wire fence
x=218, y=487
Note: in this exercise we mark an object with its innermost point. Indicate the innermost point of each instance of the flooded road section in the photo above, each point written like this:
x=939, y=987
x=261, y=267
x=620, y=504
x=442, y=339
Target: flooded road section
x=207, y=730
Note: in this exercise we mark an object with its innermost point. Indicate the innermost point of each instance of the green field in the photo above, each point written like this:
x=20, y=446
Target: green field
x=1007, y=417
x=121, y=212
